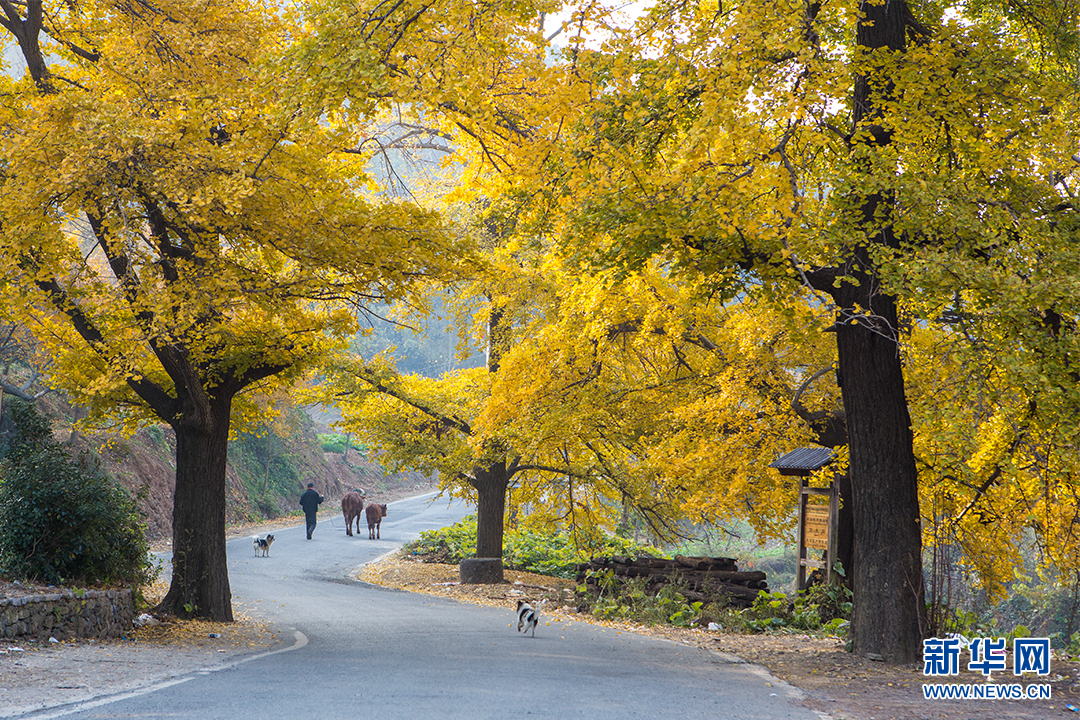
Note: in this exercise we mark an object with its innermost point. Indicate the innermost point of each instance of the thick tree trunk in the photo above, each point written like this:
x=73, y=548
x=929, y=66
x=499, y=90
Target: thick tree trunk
x=490, y=483
x=200, y=576
x=887, y=562
x=889, y=607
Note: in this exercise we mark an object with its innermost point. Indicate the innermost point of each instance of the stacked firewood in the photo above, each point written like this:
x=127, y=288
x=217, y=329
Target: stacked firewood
x=708, y=579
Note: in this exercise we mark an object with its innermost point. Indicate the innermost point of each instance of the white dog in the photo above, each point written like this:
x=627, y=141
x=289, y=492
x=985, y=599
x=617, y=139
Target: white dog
x=527, y=617
x=262, y=545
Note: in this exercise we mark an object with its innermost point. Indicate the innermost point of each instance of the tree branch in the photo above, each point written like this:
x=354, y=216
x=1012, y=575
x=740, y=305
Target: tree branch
x=371, y=378
x=159, y=401
x=16, y=391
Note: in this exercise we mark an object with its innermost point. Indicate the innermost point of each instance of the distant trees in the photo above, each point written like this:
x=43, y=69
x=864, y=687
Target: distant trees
x=428, y=345
x=429, y=425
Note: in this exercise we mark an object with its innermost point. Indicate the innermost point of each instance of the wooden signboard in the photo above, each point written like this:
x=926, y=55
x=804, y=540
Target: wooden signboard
x=817, y=519
x=816, y=527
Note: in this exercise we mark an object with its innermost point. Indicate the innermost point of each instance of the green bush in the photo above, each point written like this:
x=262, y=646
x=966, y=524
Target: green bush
x=1072, y=646
x=335, y=443
x=22, y=429
x=63, y=520
x=626, y=599
x=450, y=544
x=542, y=553
x=821, y=607
x=545, y=553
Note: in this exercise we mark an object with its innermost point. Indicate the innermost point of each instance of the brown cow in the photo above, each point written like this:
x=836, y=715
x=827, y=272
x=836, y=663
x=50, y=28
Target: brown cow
x=375, y=514
x=351, y=505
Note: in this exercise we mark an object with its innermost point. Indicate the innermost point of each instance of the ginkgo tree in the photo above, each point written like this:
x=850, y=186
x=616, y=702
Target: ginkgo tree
x=995, y=441
x=886, y=157
x=678, y=405
x=604, y=399
x=182, y=235
x=430, y=424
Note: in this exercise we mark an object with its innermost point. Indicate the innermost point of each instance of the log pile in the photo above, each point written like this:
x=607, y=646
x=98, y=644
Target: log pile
x=708, y=579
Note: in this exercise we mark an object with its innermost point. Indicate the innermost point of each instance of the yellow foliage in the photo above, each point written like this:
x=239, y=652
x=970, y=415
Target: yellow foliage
x=997, y=463
x=174, y=216
x=719, y=147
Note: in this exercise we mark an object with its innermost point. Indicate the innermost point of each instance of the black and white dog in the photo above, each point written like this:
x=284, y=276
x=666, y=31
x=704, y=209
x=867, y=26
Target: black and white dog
x=262, y=545
x=527, y=617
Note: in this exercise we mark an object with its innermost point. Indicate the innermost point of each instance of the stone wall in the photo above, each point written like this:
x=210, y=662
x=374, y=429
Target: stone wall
x=64, y=615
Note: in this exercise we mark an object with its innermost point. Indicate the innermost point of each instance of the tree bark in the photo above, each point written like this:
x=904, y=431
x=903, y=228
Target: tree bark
x=887, y=561
x=491, y=484
x=889, y=605
x=200, y=577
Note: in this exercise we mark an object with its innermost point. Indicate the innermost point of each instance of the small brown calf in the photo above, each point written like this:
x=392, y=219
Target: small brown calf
x=375, y=514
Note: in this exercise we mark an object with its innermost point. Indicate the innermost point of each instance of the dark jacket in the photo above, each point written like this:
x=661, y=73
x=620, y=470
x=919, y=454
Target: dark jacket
x=310, y=501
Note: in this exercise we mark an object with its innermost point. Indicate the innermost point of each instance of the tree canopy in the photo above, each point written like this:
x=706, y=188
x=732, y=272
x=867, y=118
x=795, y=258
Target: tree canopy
x=698, y=217
x=902, y=166
x=181, y=232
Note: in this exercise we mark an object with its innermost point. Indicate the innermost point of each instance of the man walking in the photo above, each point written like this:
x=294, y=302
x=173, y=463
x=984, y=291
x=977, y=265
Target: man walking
x=310, y=502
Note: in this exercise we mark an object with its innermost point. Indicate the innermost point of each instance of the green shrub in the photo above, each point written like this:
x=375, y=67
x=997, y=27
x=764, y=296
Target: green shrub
x=23, y=429
x=542, y=553
x=545, y=553
x=626, y=599
x=450, y=544
x=335, y=443
x=1072, y=646
x=830, y=602
x=821, y=607
x=64, y=521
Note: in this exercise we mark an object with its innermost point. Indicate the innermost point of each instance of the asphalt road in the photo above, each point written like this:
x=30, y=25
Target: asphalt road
x=362, y=651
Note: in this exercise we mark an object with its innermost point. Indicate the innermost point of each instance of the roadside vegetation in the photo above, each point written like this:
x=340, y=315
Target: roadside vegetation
x=63, y=520
x=537, y=551
x=1035, y=606
x=555, y=554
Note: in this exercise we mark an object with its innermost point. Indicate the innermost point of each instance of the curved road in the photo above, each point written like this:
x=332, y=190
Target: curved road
x=367, y=652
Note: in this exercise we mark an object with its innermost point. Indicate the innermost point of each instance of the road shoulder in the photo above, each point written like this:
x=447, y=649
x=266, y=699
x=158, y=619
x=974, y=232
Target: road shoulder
x=37, y=675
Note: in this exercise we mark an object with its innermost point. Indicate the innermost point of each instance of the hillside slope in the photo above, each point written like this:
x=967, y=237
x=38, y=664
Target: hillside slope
x=268, y=468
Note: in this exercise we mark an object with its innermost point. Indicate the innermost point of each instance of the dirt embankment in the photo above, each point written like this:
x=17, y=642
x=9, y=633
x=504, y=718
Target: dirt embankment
x=269, y=466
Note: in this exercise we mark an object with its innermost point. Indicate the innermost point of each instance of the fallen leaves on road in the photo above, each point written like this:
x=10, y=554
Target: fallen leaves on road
x=398, y=571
